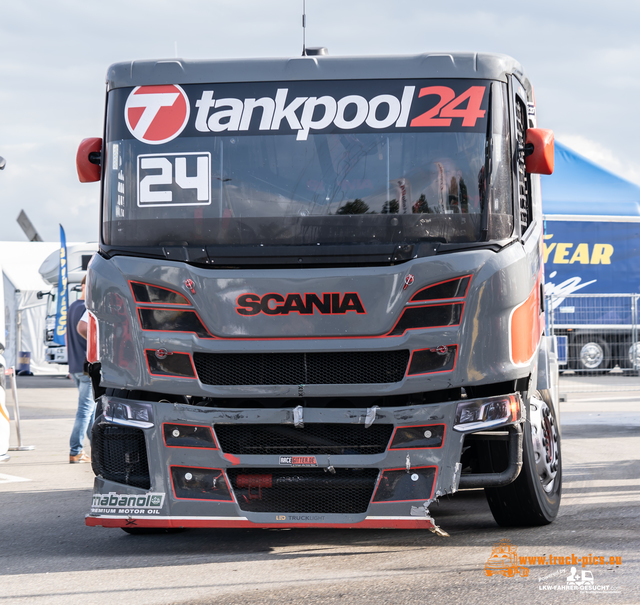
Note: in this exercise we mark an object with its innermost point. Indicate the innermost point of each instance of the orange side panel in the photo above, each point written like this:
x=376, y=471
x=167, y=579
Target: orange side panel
x=526, y=327
x=92, y=339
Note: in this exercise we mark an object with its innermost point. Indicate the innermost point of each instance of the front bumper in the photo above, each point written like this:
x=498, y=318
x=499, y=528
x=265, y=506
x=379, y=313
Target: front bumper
x=174, y=465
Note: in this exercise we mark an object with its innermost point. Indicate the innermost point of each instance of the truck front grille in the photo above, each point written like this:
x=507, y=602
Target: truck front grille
x=367, y=367
x=305, y=490
x=119, y=453
x=312, y=439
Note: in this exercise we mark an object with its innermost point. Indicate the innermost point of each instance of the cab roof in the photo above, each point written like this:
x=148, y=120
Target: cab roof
x=431, y=65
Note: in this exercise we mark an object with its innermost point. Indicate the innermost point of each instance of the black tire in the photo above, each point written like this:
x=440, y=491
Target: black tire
x=533, y=499
x=149, y=531
x=590, y=353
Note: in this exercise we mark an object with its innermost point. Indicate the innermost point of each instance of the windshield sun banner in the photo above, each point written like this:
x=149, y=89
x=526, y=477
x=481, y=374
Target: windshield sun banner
x=158, y=114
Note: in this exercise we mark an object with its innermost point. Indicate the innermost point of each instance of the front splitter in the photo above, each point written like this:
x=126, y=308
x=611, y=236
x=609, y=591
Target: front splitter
x=240, y=522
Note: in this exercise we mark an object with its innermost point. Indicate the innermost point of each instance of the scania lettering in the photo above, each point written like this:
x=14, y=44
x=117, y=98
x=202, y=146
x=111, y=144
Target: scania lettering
x=317, y=300
x=276, y=304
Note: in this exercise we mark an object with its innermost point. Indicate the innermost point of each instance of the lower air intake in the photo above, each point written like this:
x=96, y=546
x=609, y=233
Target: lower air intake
x=360, y=367
x=312, y=439
x=307, y=490
x=119, y=453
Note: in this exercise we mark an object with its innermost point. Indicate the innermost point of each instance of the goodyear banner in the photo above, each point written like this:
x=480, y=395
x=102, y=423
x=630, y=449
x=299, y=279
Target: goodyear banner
x=591, y=257
x=62, y=308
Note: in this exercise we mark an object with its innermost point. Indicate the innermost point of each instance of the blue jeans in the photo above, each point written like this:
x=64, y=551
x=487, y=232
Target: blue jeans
x=84, y=415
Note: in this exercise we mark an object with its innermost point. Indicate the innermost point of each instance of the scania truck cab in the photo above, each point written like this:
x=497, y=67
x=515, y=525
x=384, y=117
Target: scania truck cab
x=317, y=298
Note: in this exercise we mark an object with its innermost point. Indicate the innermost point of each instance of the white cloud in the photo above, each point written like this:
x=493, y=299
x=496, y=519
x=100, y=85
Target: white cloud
x=602, y=155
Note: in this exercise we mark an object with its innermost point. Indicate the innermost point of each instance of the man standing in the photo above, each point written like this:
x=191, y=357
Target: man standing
x=77, y=354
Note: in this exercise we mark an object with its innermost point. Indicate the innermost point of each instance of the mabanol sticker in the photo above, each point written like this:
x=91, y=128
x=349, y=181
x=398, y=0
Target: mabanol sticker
x=298, y=461
x=127, y=504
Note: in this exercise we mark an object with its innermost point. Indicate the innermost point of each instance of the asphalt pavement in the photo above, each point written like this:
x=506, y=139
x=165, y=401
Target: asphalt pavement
x=48, y=556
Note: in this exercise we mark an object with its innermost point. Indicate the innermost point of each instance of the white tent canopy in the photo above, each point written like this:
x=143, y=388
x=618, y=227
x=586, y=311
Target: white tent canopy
x=24, y=314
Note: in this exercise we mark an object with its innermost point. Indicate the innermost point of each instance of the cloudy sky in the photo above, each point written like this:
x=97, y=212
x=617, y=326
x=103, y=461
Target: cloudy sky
x=583, y=58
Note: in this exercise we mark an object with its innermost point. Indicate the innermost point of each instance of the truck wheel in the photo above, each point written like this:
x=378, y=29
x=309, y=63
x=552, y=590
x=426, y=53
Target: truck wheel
x=630, y=358
x=591, y=354
x=534, y=497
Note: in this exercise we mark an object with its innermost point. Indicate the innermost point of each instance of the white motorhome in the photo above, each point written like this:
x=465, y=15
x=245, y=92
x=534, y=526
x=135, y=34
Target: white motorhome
x=78, y=256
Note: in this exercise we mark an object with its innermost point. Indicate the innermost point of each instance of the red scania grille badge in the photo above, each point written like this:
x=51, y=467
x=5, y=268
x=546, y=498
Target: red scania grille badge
x=189, y=285
x=408, y=281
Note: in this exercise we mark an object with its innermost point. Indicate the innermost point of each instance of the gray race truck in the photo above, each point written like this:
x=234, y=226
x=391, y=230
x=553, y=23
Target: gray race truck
x=317, y=300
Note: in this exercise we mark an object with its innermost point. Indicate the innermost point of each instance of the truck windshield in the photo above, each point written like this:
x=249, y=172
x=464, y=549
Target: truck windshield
x=307, y=164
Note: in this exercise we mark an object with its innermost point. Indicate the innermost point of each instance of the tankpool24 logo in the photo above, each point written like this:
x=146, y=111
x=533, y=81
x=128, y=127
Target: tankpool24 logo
x=157, y=114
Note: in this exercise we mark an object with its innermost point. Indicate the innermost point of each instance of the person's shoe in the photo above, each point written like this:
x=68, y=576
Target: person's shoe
x=81, y=457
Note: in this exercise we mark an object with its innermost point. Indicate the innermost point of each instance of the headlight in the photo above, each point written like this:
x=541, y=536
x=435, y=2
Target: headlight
x=481, y=414
x=129, y=413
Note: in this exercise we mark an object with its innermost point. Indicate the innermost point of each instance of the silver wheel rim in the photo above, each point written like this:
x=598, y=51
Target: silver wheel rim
x=591, y=355
x=544, y=436
x=634, y=355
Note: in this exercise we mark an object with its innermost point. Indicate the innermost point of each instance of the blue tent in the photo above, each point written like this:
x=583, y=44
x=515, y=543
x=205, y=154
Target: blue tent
x=578, y=186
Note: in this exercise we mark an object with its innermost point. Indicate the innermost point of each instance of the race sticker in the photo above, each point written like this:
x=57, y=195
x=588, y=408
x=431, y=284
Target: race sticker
x=127, y=504
x=174, y=179
x=157, y=114
x=119, y=208
x=115, y=156
x=298, y=461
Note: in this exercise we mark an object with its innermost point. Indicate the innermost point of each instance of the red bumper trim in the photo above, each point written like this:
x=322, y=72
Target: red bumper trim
x=369, y=523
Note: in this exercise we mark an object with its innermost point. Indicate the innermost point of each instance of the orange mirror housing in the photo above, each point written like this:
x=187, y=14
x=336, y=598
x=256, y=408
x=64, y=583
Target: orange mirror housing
x=539, y=151
x=88, y=160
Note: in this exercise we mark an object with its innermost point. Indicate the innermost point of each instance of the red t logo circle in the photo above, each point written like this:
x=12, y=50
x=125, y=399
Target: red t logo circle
x=156, y=114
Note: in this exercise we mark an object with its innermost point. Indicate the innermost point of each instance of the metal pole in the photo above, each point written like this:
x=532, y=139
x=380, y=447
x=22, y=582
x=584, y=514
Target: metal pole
x=14, y=390
x=304, y=28
x=634, y=331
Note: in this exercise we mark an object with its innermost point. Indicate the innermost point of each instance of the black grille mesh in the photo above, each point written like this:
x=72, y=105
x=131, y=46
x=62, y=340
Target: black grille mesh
x=119, y=453
x=308, y=490
x=370, y=367
x=312, y=439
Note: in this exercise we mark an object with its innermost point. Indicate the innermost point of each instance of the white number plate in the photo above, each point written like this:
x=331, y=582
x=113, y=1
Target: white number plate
x=174, y=179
